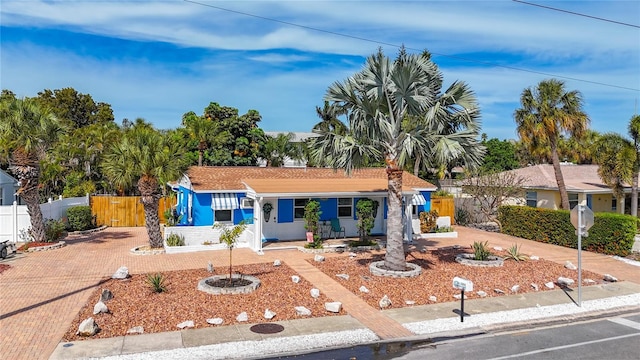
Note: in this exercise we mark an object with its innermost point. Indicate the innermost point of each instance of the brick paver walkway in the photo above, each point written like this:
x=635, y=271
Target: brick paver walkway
x=43, y=291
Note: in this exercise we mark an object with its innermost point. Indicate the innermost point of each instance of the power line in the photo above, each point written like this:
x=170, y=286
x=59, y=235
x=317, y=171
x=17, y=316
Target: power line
x=398, y=46
x=575, y=13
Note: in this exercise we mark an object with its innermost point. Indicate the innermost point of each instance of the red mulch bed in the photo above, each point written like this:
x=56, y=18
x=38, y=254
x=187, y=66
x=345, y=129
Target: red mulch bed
x=30, y=245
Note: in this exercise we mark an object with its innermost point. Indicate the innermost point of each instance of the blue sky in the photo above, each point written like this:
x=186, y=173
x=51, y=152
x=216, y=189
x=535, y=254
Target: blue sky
x=159, y=59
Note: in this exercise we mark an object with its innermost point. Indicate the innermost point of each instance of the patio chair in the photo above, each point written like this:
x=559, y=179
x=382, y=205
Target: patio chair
x=336, y=229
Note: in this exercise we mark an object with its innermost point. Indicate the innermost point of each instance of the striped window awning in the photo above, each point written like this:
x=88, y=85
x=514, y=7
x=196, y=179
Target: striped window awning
x=418, y=199
x=224, y=201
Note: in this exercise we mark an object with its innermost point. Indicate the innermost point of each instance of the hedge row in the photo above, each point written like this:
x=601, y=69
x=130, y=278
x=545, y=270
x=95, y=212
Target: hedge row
x=611, y=233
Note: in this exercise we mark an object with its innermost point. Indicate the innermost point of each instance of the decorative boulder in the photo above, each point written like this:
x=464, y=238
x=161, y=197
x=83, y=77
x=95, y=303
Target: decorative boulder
x=121, y=273
x=88, y=327
x=106, y=295
x=562, y=281
x=268, y=314
x=136, y=330
x=610, y=278
x=364, y=289
x=295, y=279
x=302, y=311
x=497, y=248
x=534, y=257
x=515, y=289
x=570, y=266
x=459, y=296
x=315, y=293
x=433, y=298
x=498, y=291
x=481, y=293
x=385, y=302
x=215, y=321
x=186, y=324
x=409, y=302
x=343, y=276
x=534, y=287
x=210, y=267
x=318, y=258
x=333, y=307
x=549, y=285
x=277, y=262
x=242, y=317
x=100, y=308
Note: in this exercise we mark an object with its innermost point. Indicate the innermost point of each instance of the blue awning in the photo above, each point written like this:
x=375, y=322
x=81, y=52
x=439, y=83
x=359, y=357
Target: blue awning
x=224, y=201
x=418, y=199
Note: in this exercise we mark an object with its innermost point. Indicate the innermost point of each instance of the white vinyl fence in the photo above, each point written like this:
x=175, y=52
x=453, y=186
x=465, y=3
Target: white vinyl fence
x=14, y=218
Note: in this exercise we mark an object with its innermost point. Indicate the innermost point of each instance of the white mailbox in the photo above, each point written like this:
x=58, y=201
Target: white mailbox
x=462, y=284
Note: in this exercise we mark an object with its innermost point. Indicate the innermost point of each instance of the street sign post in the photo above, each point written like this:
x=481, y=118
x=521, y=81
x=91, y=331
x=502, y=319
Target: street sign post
x=463, y=285
x=582, y=219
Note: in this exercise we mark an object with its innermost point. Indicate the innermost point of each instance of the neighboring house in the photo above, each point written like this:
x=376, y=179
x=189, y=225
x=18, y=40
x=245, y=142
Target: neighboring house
x=584, y=186
x=8, y=187
x=228, y=195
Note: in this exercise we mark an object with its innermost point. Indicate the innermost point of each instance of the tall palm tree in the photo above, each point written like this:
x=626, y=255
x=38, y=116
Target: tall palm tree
x=27, y=132
x=200, y=129
x=616, y=157
x=329, y=119
x=376, y=101
x=146, y=158
x=278, y=148
x=548, y=111
x=634, y=132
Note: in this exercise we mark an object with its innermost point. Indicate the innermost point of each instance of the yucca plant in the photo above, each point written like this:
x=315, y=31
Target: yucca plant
x=481, y=251
x=514, y=253
x=156, y=282
x=175, y=240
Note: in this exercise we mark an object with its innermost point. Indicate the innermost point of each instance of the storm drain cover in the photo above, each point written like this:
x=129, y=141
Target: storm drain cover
x=267, y=328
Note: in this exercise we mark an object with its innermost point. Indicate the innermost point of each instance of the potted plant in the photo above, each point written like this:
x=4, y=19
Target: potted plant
x=312, y=223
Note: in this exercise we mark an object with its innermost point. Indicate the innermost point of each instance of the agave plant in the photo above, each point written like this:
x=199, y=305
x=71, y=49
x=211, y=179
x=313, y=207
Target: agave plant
x=514, y=253
x=481, y=251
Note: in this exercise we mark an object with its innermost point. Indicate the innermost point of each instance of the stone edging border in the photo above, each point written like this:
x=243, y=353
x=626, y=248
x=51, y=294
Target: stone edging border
x=338, y=249
x=57, y=245
x=136, y=251
x=467, y=259
x=83, y=232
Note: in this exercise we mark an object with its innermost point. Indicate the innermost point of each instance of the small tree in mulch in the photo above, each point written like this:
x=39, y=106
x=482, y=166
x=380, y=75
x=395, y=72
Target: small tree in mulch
x=365, y=212
x=229, y=236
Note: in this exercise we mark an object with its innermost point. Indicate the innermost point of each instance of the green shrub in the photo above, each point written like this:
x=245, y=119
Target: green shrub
x=156, y=282
x=428, y=221
x=175, y=240
x=80, y=218
x=367, y=242
x=444, y=229
x=481, y=251
x=611, y=233
x=462, y=217
x=443, y=193
x=365, y=212
x=54, y=230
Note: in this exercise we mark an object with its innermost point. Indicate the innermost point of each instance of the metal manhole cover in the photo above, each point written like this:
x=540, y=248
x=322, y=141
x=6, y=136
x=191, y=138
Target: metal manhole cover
x=266, y=328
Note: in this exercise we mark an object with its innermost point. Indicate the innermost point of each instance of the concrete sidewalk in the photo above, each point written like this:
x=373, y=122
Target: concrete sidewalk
x=43, y=291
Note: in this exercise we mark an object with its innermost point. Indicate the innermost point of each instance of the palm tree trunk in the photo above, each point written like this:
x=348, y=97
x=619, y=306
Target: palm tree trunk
x=634, y=194
x=555, y=160
x=394, y=258
x=32, y=199
x=150, y=199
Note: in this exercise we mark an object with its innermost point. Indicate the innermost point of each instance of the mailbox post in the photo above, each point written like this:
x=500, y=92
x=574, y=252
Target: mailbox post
x=463, y=285
x=582, y=219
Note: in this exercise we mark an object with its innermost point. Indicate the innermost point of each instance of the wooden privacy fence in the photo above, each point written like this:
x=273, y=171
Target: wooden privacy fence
x=124, y=211
x=445, y=206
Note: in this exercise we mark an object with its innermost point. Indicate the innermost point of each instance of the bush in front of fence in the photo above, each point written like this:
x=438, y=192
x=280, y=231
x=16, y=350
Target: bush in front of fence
x=80, y=218
x=611, y=233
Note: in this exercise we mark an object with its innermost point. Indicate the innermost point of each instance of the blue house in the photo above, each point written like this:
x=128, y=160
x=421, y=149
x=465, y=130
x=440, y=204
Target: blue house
x=272, y=200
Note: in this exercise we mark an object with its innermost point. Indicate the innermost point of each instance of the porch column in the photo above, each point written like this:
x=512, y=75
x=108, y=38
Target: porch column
x=257, y=224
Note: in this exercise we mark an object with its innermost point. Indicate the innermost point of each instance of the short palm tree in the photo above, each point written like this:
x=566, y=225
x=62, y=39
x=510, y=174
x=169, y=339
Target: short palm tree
x=200, y=129
x=548, y=111
x=376, y=101
x=634, y=132
x=278, y=148
x=616, y=157
x=148, y=159
x=27, y=132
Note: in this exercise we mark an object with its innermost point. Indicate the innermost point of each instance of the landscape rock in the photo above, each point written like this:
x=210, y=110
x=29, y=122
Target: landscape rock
x=210, y=267
x=563, y=281
x=333, y=307
x=423, y=250
x=549, y=285
x=136, y=330
x=459, y=296
x=121, y=273
x=481, y=293
x=352, y=254
x=302, y=311
x=343, y=276
x=535, y=287
x=610, y=278
x=409, y=302
x=315, y=293
x=515, y=289
x=433, y=298
x=364, y=289
x=498, y=291
x=268, y=314
x=318, y=258
x=186, y=324
x=277, y=262
x=295, y=279
x=242, y=317
x=497, y=248
x=106, y=295
x=88, y=327
x=215, y=321
x=570, y=266
x=533, y=257
x=385, y=302
x=589, y=281
x=100, y=308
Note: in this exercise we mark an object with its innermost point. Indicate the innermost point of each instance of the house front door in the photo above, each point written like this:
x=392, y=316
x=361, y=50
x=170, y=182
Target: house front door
x=378, y=223
x=270, y=221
